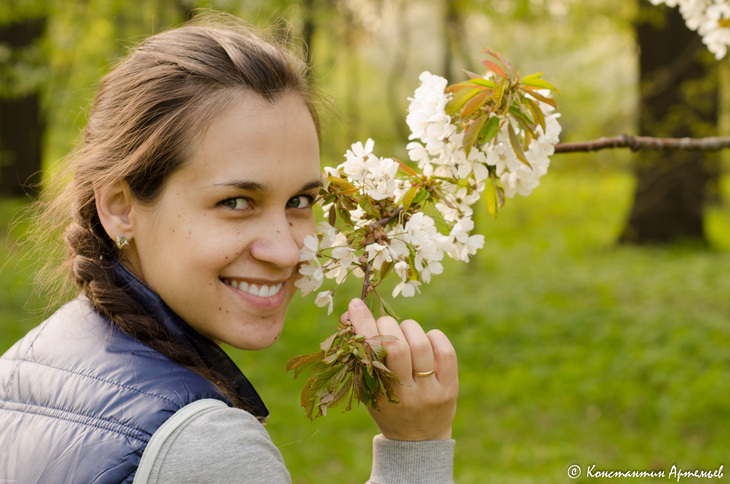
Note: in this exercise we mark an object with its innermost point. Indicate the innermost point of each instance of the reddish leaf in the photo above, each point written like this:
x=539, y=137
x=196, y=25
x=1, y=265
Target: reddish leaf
x=474, y=103
x=494, y=68
x=406, y=168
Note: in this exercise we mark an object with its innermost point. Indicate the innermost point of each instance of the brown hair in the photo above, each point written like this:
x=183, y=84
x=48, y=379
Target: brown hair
x=161, y=96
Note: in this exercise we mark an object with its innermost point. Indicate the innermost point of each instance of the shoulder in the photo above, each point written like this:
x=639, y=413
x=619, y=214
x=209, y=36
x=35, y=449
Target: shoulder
x=207, y=441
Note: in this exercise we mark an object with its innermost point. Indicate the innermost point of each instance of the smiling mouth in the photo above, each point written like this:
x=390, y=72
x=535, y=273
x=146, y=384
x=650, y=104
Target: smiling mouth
x=260, y=290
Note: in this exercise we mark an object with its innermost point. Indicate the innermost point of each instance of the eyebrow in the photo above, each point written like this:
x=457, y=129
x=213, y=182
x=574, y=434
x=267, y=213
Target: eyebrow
x=253, y=186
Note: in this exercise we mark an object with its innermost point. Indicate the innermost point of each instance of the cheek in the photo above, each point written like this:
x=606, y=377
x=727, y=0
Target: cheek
x=216, y=248
x=300, y=229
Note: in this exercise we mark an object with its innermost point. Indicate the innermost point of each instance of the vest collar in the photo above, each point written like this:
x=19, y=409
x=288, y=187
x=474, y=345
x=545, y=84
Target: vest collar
x=210, y=352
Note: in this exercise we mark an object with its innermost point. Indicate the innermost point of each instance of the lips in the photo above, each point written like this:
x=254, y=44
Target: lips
x=260, y=290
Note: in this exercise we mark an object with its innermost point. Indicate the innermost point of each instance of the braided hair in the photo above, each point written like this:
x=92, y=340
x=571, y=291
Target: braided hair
x=161, y=96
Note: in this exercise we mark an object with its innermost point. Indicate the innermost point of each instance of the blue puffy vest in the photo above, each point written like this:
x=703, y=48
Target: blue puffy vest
x=80, y=400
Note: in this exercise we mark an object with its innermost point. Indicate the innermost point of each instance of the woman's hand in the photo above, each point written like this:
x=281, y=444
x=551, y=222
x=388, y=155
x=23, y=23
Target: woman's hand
x=427, y=402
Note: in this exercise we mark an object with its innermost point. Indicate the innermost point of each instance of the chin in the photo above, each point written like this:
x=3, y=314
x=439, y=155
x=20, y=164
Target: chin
x=253, y=340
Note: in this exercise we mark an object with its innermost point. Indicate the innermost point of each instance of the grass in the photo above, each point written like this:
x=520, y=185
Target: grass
x=572, y=350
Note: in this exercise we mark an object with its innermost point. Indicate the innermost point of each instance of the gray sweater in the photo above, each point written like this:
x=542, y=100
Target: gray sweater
x=207, y=441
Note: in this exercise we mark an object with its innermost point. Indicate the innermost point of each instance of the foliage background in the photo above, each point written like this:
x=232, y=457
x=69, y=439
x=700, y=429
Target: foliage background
x=573, y=350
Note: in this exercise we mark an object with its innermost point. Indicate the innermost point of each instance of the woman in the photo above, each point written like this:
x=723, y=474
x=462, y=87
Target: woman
x=192, y=193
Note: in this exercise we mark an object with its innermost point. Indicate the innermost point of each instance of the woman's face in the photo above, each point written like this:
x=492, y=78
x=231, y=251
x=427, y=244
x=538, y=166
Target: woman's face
x=221, y=245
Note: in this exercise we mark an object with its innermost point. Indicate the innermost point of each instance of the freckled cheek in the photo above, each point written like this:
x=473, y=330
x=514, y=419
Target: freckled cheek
x=301, y=230
x=217, y=250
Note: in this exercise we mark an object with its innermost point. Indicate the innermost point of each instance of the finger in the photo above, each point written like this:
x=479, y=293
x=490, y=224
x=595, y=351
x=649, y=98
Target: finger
x=398, y=357
x=422, y=356
x=447, y=371
x=361, y=318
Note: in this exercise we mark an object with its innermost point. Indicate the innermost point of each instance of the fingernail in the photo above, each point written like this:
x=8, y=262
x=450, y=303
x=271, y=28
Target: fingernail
x=357, y=303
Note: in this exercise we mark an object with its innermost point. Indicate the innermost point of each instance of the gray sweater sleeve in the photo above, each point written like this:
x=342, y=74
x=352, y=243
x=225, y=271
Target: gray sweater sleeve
x=215, y=443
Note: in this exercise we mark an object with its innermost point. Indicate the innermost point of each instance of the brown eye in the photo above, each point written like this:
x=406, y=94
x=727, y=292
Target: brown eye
x=237, y=203
x=300, y=201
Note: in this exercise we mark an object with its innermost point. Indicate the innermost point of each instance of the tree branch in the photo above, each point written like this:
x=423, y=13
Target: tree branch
x=636, y=143
x=387, y=218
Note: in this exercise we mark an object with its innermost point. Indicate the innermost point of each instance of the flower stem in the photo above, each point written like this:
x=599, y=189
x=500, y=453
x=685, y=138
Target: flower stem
x=366, y=282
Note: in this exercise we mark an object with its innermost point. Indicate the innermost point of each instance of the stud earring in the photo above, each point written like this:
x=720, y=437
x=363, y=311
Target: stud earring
x=121, y=241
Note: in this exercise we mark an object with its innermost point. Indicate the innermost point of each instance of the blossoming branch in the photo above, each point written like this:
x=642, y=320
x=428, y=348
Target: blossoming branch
x=489, y=137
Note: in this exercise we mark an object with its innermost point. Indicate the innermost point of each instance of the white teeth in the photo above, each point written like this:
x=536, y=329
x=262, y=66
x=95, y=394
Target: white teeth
x=256, y=290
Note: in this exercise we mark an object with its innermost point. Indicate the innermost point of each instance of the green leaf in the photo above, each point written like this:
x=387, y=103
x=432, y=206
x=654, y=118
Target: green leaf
x=490, y=130
x=366, y=204
x=480, y=81
x=353, y=368
x=301, y=362
x=535, y=81
x=409, y=196
x=524, y=121
x=498, y=94
x=538, y=96
x=537, y=114
x=388, y=310
x=326, y=345
x=517, y=146
x=492, y=203
x=460, y=98
x=422, y=196
x=341, y=183
x=344, y=215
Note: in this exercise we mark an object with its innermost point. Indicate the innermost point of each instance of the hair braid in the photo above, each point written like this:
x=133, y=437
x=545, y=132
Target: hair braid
x=91, y=260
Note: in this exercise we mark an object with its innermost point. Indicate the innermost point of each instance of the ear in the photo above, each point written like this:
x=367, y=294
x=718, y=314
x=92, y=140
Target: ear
x=114, y=204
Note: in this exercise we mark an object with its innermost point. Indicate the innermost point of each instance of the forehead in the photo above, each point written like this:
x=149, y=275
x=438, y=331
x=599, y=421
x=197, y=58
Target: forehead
x=256, y=139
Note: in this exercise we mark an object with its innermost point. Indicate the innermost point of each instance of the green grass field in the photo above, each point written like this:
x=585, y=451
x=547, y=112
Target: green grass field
x=572, y=350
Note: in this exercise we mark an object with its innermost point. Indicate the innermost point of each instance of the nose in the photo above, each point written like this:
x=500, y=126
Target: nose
x=276, y=243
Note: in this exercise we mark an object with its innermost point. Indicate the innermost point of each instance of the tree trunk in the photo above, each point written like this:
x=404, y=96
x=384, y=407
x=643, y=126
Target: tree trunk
x=21, y=120
x=308, y=28
x=678, y=98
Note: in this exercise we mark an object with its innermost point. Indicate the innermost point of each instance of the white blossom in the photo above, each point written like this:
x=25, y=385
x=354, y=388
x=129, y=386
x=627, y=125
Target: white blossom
x=329, y=235
x=312, y=277
x=402, y=268
x=323, y=299
x=378, y=254
x=309, y=249
x=708, y=18
x=408, y=288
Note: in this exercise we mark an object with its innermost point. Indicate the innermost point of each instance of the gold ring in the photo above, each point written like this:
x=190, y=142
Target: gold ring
x=424, y=373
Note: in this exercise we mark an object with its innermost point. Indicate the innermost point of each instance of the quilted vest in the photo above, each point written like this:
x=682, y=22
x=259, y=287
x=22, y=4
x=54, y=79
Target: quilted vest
x=80, y=400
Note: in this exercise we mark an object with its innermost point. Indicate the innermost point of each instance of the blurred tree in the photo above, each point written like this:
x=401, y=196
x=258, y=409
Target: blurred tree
x=454, y=38
x=678, y=98
x=21, y=119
